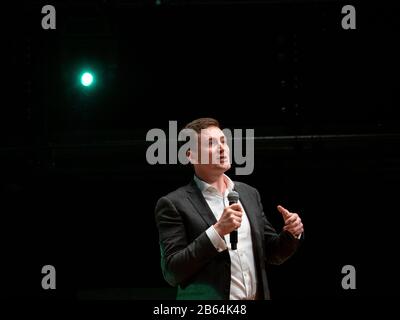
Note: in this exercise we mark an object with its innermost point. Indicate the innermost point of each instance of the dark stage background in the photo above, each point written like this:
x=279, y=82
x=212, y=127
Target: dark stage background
x=77, y=192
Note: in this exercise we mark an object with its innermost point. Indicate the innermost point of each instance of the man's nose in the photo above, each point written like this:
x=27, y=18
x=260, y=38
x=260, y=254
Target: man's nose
x=223, y=147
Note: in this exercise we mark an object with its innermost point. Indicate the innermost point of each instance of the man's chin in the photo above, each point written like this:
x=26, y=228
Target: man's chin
x=224, y=166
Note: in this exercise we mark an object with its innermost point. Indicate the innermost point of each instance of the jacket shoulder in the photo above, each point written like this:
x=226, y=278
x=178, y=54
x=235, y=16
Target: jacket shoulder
x=245, y=186
x=178, y=194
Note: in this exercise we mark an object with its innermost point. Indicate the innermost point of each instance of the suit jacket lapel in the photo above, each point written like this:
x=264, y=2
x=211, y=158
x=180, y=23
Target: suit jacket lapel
x=248, y=206
x=200, y=204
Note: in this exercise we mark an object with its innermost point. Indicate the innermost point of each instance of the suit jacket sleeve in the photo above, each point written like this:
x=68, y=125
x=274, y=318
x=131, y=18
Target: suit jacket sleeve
x=180, y=260
x=278, y=247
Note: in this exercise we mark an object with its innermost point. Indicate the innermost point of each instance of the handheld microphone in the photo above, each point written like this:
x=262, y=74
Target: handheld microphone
x=233, y=197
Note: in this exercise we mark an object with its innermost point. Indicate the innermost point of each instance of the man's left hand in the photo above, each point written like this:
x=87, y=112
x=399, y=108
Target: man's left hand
x=293, y=222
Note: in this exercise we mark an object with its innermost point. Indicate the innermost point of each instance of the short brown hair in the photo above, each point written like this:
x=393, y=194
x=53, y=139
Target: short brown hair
x=202, y=123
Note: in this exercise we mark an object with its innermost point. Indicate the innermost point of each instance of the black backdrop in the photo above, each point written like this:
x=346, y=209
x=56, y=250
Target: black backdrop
x=77, y=190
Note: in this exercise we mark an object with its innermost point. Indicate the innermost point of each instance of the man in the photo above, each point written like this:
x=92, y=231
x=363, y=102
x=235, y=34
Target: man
x=195, y=222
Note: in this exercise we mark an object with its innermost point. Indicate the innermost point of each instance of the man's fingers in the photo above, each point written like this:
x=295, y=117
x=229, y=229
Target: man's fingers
x=238, y=222
x=292, y=219
x=236, y=207
x=295, y=230
x=293, y=225
x=293, y=222
x=236, y=214
x=285, y=213
x=235, y=217
x=236, y=210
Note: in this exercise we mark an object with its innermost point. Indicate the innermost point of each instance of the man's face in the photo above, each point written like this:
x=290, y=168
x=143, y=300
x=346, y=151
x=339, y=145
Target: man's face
x=213, y=151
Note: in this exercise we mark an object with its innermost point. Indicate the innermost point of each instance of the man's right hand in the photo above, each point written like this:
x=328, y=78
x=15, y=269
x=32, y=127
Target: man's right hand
x=230, y=220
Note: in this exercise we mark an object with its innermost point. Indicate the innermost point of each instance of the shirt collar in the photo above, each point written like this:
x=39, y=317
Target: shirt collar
x=204, y=186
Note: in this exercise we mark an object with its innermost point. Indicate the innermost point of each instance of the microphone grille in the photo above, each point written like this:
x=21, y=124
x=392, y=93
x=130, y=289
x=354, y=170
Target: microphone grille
x=233, y=196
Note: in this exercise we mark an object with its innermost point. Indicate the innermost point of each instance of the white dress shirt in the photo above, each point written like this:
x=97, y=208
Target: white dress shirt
x=243, y=272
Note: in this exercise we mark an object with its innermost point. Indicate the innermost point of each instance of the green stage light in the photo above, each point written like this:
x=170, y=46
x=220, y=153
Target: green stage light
x=87, y=79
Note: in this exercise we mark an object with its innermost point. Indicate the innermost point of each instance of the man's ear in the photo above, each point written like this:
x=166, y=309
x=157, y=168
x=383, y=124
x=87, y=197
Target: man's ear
x=189, y=155
x=192, y=156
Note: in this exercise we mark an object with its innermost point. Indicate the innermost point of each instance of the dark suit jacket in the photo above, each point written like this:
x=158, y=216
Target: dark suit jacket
x=189, y=259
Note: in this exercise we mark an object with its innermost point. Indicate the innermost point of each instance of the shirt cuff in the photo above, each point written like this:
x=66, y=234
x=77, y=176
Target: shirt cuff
x=216, y=239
